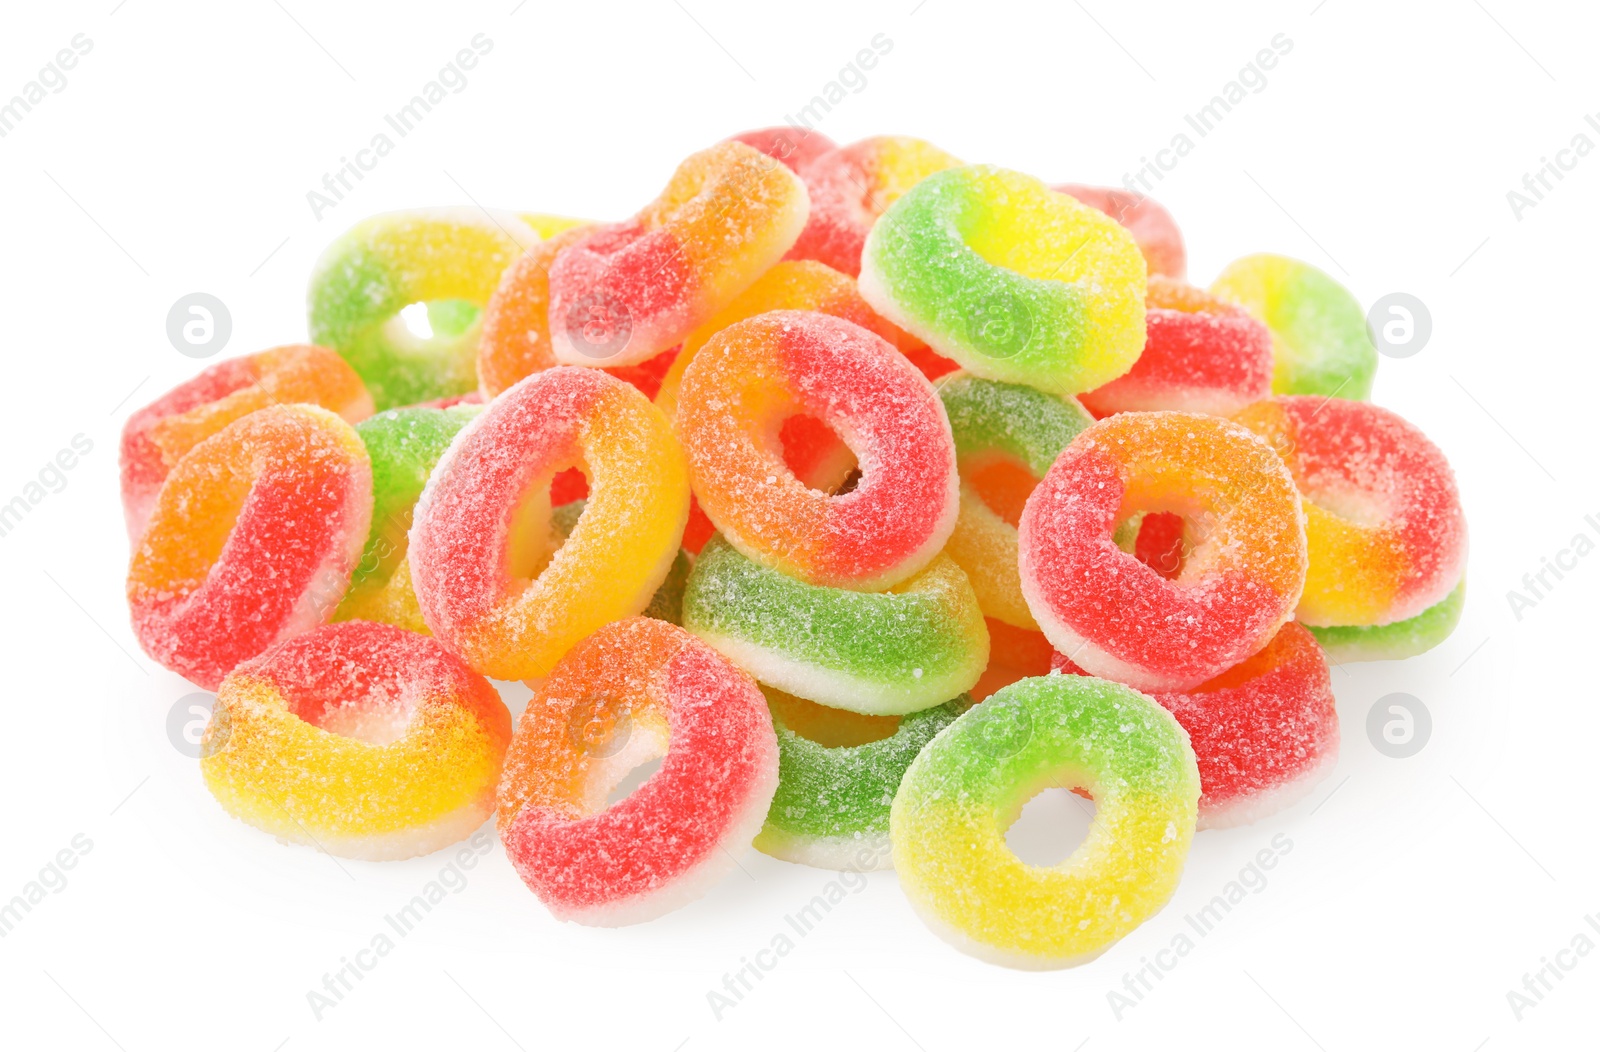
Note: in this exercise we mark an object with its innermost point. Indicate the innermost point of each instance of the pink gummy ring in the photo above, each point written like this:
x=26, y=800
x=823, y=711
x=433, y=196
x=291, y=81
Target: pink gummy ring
x=636, y=690
x=1264, y=733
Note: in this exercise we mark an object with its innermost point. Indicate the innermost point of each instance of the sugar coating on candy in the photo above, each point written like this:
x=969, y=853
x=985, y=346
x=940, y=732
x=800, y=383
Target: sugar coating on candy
x=852, y=186
x=794, y=148
x=997, y=424
x=438, y=256
x=515, y=338
x=252, y=540
x=1384, y=525
x=1201, y=355
x=962, y=792
x=403, y=445
x=628, y=291
x=881, y=653
x=359, y=739
x=156, y=437
x=1264, y=733
x=1151, y=225
x=635, y=690
x=486, y=579
x=667, y=604
x=837, y=775
x=1398, y=639
x=757, y=373
x=1119, y=618
x=790, y=285
x=1014, y=281
x=1319, y=331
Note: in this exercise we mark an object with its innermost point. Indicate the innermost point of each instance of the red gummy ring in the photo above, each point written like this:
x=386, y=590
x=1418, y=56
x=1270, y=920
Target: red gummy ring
x=1264, y=733
x=1201, y=355
x=1123, y=620
x=635, y=690
x=157, y=436
x=252, y=540
x=751, y=376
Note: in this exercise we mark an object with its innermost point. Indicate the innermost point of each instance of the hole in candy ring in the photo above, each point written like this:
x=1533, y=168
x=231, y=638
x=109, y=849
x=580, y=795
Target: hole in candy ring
x=633, y=780
x=1001, y=325
x=600, y=725
x=1051, y=826
x=599, y=324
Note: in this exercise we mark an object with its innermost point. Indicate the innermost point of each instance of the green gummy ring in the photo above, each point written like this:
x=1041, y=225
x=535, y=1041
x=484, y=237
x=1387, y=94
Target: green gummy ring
x=878, y=653
x=948, y=823
x=832, y=806
x=1064, y=312
x=990, y=417
x=667, y=604
x=1400, y=639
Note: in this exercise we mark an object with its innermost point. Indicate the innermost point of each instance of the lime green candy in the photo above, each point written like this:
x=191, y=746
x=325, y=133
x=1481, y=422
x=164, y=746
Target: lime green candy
x=881, y=653
x=832, y=805
x=1400, y=639
x=667, y=604
x=448, y=258
x=988, y=418
x=1320, y=343
x=1011, y=279
x=962, y=792
x=403, y=445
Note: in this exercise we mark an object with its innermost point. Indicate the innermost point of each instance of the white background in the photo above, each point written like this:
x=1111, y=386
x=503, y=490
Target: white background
x=177, y=159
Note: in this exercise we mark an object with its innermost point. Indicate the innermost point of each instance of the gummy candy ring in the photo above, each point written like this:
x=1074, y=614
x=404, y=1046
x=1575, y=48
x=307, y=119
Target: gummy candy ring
x=628, y=291
x=963, y=791
x=1319, y=331
x=879, y=653
x=515, y=339
x=1201, y=355
x=794, y=148
x=1121, y=619
x=252, y=540
x=748, y=379
x=1007, y=436
x=449, y=258
x=485, y=577
x=1011, y=279
x=815, y=454
x=852, y=186
x=403, y=445
x=837, y=775
x=636, y=690
x=1151, y=225
x=363, y=740
x=1384, y=525
x=1264, y=733
x=157, y=436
